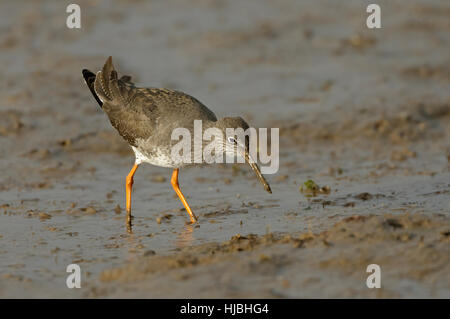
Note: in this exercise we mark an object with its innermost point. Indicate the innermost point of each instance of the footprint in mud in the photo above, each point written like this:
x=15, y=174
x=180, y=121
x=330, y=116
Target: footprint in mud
x=344, y=201
x=367, y=196
x=224, y=212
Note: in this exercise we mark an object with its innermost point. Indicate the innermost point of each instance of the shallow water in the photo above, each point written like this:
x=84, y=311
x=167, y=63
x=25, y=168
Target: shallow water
x=274, y=64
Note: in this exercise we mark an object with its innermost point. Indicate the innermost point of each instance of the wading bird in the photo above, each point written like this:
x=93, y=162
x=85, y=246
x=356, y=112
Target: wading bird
x=146, y=117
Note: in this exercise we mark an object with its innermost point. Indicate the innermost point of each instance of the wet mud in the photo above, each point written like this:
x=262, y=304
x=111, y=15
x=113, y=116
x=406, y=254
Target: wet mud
x=364, y=176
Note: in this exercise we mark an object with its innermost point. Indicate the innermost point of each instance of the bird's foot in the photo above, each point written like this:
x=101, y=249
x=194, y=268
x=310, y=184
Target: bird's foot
x=192, y=221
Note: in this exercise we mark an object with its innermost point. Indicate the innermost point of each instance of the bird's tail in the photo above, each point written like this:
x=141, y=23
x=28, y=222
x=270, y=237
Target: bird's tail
x=105, y=86
x=105, y=83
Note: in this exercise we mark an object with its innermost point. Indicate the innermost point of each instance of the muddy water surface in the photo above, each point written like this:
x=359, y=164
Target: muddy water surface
x=364, y=113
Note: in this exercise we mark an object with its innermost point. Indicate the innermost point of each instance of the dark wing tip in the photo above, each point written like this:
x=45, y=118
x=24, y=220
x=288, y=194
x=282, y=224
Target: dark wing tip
x=85, y=73
x=89, y=77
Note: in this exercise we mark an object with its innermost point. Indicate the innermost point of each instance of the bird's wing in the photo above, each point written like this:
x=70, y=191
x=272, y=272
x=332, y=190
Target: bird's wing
x=138, y=113
x=130, y=111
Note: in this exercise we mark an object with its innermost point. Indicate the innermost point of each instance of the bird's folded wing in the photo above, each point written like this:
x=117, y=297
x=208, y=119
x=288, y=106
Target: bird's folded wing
x=120, y=92
x=135, y=111
x=130, y=111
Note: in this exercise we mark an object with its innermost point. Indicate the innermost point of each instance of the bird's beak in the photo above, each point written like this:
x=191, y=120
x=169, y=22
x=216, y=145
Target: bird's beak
x=255, y=168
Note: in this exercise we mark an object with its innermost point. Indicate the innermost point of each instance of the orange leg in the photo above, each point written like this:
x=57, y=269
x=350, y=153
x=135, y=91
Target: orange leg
x=129, y=186
x=176, y=187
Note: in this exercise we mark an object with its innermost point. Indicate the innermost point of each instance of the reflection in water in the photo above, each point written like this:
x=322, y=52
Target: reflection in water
x=185, y=236
x=129, y=224
x=131, y=239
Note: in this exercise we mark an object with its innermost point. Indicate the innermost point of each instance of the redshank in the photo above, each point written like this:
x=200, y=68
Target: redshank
x=146, y=117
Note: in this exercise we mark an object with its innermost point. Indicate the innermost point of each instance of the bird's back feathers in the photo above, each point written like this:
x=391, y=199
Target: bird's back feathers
x=141, y=113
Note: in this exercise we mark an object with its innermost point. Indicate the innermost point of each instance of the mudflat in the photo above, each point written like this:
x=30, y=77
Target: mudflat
x=363, y=114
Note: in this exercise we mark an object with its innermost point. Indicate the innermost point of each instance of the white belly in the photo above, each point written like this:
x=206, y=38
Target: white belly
x=159, y=159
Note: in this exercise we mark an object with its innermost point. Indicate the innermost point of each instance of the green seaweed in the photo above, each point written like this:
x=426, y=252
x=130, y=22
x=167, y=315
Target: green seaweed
x=310, y=188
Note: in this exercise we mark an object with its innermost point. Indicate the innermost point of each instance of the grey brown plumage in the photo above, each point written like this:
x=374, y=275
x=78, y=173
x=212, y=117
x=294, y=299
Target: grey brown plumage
x=146, y=119
x=143, y=113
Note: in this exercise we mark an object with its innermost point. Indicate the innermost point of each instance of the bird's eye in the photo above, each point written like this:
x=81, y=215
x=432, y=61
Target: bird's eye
x=232, y=140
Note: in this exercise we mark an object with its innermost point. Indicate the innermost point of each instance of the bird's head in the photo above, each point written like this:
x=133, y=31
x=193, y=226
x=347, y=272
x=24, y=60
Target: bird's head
x=236, y=143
